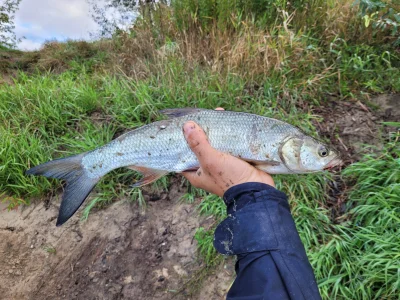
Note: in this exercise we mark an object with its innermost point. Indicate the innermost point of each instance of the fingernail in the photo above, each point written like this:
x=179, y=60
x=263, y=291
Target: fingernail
x=188, y=126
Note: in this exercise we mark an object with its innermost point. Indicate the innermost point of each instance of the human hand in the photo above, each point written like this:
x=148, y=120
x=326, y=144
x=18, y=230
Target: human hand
x=218, y=171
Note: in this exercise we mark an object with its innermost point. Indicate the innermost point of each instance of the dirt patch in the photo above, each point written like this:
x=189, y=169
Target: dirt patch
x=7, y=79
x=388, y=106
x=98, y=118
x=122, y=252
x=352, y=125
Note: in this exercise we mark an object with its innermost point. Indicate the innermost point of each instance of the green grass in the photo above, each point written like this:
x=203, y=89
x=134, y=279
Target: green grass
x=364, y=253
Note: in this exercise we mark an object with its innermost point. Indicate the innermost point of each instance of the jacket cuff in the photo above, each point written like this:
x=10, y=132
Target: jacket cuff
x=243, y=194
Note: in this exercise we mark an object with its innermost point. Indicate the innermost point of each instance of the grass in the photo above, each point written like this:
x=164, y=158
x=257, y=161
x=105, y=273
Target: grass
x=367, y=245
x=50, y=249
x=72, y=97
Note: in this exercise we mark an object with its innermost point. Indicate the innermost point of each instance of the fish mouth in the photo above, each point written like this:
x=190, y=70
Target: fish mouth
x=334, y=163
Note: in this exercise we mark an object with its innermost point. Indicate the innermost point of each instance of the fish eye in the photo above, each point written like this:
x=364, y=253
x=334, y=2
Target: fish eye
x=323, y=151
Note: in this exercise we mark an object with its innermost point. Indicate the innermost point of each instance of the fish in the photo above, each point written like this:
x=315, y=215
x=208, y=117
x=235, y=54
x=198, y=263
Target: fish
x=159, y=148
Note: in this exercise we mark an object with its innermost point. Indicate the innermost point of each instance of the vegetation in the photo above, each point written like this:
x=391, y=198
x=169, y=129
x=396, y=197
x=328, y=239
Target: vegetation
x=276, y=60
x=7, y=11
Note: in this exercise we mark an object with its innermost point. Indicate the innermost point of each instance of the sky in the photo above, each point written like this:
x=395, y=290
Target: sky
x=42, y=20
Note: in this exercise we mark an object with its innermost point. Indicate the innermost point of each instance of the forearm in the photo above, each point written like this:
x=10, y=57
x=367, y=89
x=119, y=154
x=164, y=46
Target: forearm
x=259, y=229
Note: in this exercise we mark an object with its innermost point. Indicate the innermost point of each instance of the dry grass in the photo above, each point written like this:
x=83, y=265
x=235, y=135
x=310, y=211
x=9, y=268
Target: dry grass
x=248, y=51
x=55, y=57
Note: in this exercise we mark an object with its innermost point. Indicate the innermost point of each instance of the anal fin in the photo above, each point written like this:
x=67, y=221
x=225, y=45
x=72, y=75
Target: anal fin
x=149, y=175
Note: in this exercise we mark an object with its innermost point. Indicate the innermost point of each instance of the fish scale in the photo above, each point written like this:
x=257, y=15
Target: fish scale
x=160, y=147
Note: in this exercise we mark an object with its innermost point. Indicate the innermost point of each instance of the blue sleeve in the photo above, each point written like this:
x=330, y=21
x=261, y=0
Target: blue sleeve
x=271, y=260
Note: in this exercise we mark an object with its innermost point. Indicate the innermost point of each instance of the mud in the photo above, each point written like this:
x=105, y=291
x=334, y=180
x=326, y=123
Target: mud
x=122, y=252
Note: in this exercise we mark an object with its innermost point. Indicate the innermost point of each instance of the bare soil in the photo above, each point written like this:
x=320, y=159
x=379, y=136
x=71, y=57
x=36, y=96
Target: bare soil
x=122, y=252
x=127, y=252
x=350, y=126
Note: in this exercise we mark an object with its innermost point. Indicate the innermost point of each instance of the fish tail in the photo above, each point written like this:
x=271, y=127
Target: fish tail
x=78, y=187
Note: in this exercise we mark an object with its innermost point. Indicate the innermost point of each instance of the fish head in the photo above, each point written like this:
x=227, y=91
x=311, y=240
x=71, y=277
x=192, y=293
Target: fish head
x=306, y=155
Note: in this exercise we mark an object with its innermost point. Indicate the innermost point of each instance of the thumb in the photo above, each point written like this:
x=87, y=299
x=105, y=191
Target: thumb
x=197, y=141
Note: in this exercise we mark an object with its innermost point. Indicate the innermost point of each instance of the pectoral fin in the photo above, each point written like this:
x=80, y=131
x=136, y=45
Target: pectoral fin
x=269, y=166
x=267, y=162
x=149, y=175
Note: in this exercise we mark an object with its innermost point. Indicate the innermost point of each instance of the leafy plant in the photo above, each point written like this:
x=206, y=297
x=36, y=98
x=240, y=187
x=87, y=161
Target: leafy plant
x=383, y=16
x=7, y=13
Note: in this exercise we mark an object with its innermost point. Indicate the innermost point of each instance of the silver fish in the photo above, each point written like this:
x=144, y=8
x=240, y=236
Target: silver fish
x=160, y=148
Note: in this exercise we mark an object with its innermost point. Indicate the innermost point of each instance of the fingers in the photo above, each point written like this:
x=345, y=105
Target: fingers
x=198, y=142
x=193, y=178
x=219, y=108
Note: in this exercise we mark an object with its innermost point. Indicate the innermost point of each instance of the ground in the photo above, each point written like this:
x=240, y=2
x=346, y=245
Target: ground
x=352, y=125
x=122, y=252
x=129, y=252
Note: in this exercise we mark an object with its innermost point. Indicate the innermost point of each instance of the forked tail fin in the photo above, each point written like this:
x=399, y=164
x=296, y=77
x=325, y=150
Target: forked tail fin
x=79, y=185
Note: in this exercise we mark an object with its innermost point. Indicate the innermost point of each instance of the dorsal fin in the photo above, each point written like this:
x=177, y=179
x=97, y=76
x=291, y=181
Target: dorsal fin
x=179, y=112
